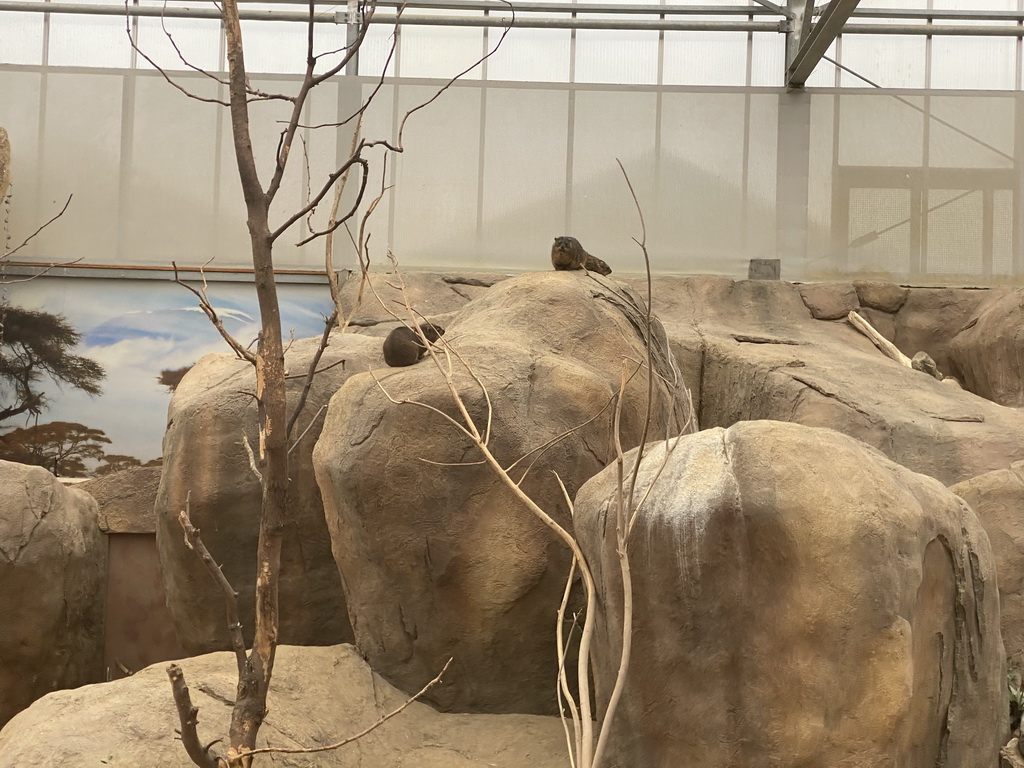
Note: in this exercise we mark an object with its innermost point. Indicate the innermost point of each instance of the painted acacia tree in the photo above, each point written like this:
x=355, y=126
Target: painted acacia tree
x=270, y=458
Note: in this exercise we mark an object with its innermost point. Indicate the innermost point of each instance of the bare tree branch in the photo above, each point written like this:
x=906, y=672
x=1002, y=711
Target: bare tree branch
x=211, y=313
x=28, y=239
x=311, y=372
x=188, y=716
x=348, y=740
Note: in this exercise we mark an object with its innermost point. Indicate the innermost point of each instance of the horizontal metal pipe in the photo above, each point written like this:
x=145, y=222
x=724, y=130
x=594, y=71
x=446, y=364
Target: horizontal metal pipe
x=541, y=7
x=503, y=19
x=921, y=13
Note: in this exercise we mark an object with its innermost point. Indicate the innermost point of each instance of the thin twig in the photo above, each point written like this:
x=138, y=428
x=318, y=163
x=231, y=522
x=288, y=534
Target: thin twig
x=348, y=740
x=26, y=241
x=311, y=372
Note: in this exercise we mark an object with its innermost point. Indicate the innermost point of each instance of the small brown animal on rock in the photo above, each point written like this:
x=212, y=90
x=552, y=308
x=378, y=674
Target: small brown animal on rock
x=403, y=346
x=567, y=253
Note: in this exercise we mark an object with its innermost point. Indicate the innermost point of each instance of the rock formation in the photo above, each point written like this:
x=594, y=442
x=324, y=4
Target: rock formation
x=751, y=350
x=319, y=696
x=988, y=354
x=998, y=499
x=205, y=461
x=800, y=600
x=440, y=560
x=53, y=562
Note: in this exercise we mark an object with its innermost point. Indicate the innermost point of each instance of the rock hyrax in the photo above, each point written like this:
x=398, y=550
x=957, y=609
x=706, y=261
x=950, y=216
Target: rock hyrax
x=404, y=347
x=567, y=253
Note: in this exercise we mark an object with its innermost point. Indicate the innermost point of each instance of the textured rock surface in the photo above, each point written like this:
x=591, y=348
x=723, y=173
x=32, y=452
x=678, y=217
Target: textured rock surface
x=931, y=317
x=988, y=355
x=998, y=500
x=751, y=350
x=829, y=301
x=442, y=561
x=211, y=411
x=876, y=294
x=53, y=561
x=125, y=499
x=800, y=601
x=319, y=696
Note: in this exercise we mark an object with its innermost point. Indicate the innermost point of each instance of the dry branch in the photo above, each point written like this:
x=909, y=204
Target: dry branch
x=188, y=716
x=884, y=345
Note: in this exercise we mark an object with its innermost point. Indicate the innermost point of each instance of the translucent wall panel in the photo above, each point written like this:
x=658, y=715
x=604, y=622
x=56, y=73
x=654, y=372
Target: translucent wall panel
x=955, y=222
x=700, y=217
x=80, y=153
x=197, y=42
x=275, y=48
x=88, y=41
x=609, y=126
x=879, y=236
x=761, y=176
x=767, y=59
x=532, y=55
x=866, y=119
x=19, y=115
x=441, y=52
x=375, y=54
x=890, y=61
x=984, y=63
x=977, y=132
x=524, y=193
x=616, y=57
x=437, y=178
x=705, y=58
x=165, y=213
x=21, y=38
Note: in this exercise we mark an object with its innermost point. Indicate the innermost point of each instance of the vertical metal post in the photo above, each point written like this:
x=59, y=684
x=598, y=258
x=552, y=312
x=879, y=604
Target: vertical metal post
x=792, y=172
x=352, y=20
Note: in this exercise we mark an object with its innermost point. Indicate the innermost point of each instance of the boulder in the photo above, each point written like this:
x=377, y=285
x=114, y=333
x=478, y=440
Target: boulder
x=998, y=500
x=206, y=465
x=988, y=354
x=752, y=352
x=799, y=600
x=319, y=696
x=438, y=558
x=880, y=295
x=125, y=499
x=53, y=563
x=829, y=301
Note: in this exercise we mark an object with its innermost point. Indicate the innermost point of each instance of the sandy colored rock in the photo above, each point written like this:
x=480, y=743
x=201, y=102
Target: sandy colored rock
x=125, y=499
x=998, y=500
x=931, y=317
x=53, y=561
x=212, y=409
x=319, y=696
x=987, y=354
x=800, y=600
x=432, y=294
x=881, y=321
x=442, y=561
x=880, y=295
x=751, y=352
x=5, y=163
x=829, y=301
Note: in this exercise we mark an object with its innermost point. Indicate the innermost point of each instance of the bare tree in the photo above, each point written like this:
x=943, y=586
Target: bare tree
x=270, y=458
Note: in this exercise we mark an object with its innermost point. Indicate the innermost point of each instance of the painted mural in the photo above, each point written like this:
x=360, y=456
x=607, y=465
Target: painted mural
x=143, y=334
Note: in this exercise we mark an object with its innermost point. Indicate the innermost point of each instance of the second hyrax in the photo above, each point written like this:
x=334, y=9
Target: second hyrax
x=567, y=253
x=403, y=346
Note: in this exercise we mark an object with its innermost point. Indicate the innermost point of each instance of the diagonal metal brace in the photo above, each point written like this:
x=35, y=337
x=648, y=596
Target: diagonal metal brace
x=818, y=39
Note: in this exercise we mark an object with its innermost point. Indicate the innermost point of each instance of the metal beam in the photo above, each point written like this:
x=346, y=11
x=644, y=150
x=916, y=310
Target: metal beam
x=813, y=47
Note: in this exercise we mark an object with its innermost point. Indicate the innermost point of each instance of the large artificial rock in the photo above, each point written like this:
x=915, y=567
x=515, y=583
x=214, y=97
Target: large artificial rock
x=125, y=499
x=53, y=561
x=988, y=354
x=998, y=500
x=752, y=351
x=319, y=696
x=829, y=301
x=879, y=295
x=206, y=466
x=799, y=600
x=438, y=558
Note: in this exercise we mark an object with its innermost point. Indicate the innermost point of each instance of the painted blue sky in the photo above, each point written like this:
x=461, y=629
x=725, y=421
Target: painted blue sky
x=137, y=328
